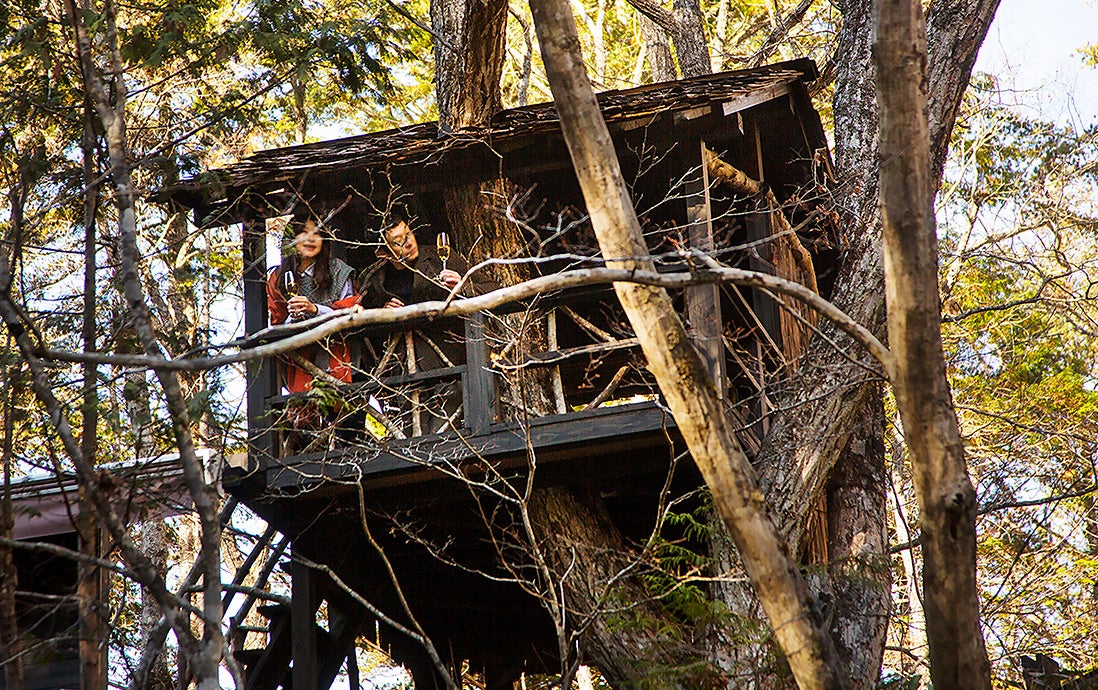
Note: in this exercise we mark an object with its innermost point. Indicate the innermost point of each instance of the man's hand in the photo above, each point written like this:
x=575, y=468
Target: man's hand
x=449, y=278
x=394, y=303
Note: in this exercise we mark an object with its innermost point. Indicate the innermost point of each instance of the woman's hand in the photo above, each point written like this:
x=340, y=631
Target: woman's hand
x=394, y=303
x=300, y=307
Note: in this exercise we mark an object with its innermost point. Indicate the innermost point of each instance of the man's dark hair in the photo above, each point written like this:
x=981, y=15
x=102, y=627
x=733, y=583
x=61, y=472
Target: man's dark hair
x=394, y=216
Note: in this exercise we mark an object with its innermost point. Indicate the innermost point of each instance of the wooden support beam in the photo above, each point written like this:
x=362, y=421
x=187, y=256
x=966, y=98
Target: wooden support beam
x=262, y=382
x=303, y=627
x=703, y=302
x=345, y=619
x=271, y=667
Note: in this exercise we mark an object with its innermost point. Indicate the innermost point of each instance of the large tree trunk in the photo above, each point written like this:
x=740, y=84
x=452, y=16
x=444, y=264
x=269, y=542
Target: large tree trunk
x=468, y=92
x=682, y=378
x=468, y=66
x=805, y=441
x=947, y=499
x=857, y=547
x=685, y=25
x=658, y=51
x=630, y=637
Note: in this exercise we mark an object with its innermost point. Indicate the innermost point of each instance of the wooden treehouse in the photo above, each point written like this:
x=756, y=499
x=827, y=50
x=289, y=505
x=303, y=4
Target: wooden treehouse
x=733, y=164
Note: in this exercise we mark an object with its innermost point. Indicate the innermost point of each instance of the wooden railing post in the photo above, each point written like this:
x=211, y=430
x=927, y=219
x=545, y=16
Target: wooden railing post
x=261, y=375
x=478, y=384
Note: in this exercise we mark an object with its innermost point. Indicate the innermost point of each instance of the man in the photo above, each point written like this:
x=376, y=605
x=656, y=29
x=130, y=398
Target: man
x=408, y=272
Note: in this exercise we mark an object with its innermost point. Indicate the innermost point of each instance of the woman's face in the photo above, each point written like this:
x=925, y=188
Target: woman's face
x=309, y=241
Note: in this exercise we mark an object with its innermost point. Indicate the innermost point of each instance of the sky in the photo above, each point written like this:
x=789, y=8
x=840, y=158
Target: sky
x=1033, y=48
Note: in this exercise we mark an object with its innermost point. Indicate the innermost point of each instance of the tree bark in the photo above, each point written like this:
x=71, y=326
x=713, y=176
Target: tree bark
x=947, y=499
x=857, y=546
x=11, y=645
x=628, y=635
x=685, y=25
x=805, y=440
x=659, y=53
x=676, y=365
x=469, y=65
x=93, y=600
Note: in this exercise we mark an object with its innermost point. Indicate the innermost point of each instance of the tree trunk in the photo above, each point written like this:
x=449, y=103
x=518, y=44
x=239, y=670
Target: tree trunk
x=154, y=545
x=677, y=367
x=91, y=584
x=11, y=646
x=468, y=66
x=659, y=52
x=947, y=500
x=857, y=548
x=805, y=440
x=691, y=44
x=685, y=25
x=630, y=638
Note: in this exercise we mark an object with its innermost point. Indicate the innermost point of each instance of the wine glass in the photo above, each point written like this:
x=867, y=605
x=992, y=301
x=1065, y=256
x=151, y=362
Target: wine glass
x=289, y=284
x=442, y=243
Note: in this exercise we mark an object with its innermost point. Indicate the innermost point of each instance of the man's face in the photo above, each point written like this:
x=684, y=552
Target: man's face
x=400, y=244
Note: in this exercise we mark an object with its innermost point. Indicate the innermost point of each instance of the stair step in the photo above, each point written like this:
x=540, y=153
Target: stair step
x=274, y=611
x=247, y=657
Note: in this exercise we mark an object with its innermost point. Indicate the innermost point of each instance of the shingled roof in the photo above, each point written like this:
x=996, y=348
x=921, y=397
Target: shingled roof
x=423, y=144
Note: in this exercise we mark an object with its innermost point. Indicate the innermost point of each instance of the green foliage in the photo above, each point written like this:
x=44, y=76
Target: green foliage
x=1018, y=239
x=680, y=565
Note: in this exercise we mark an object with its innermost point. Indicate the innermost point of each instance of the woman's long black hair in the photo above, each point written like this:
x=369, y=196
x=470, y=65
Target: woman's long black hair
x=291, y=260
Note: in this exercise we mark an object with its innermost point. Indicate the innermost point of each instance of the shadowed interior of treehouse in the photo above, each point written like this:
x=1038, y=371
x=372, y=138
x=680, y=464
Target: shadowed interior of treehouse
x=422, y=464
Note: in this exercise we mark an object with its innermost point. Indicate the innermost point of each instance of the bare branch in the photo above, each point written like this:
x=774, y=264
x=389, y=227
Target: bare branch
x=354, y=317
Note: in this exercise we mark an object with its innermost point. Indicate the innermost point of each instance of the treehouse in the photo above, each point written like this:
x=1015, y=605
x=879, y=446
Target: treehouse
x=404, y=494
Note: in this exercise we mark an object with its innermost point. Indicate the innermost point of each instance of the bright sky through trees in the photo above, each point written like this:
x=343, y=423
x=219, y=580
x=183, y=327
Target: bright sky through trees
x=1033, y=48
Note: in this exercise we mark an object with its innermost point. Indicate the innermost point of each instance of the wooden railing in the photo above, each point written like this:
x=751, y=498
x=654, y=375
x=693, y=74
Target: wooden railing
x=589, y=359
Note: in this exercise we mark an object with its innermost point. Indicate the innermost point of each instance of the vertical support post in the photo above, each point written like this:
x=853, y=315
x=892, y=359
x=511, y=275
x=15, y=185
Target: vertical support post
x=352, y=670
x=703, y=302
x=261, y=375
x=558, y=385
x=759, y=231
x=479, y=383
x=93, y=593
x=303, y=626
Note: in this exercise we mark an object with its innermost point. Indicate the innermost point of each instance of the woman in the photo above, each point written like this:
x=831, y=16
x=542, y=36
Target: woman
x=310, y=282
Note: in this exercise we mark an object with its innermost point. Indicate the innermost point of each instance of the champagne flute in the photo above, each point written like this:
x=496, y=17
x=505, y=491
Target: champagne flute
x=442, y=243
x=289, y=284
